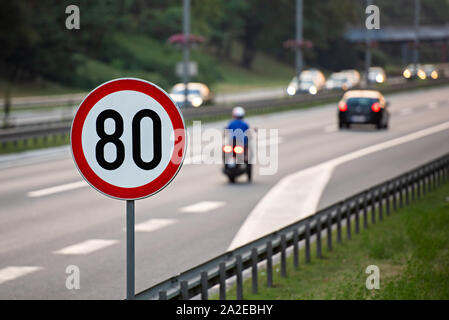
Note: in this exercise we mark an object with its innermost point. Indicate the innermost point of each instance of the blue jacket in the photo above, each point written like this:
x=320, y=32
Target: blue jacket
x=238, y=128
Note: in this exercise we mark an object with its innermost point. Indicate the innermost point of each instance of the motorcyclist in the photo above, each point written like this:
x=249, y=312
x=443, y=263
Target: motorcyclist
x=238, y=127
x=238, y=131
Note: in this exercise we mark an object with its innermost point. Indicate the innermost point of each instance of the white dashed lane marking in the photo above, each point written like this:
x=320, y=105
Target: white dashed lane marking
x=13, y=272
x=203, y=206
x=86, y=247
x=57, y=189
x=154, y=224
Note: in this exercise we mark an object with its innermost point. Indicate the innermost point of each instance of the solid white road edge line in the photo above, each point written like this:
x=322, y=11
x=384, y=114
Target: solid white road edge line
x=297, y=195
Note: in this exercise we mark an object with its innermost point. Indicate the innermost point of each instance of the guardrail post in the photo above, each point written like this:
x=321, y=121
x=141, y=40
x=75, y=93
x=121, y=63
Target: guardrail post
x=446, y=167
x=348, y=220
x=204, y=285
x=318, y=236
x=269, y=264
x=387, y=198
x=365, y=210
x=380, y=199
x=357, y=215
x=222, y=271
x=283, y=256
x=239, y=276
x=254, y=270
x=339, y=209
x=395, y=197
x=373, y=206
x=307, y=245
x=407, y=190
x=439, y=173
x=418, y=184
x=184, y=290
x=424, y=182
x=432, y=178
x=413, y=186
x=329, y=230
x=162, y=295
x=295, y=249
x=401, y=192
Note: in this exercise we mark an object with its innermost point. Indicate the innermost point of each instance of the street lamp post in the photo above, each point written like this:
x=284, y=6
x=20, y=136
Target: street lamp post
x=299, y=39
x=367, y=49
x=186, y=48
x=416, y=44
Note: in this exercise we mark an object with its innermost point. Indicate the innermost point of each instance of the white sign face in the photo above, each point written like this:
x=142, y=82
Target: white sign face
x=128, y=139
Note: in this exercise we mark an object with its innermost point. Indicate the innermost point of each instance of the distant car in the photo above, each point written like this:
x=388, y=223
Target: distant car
x=340, y=81
x=354, y=75
x=376, y=75
x=363, y=106
x=431, y=71
x=198, y=94
x=414, y=71
x=310, y=81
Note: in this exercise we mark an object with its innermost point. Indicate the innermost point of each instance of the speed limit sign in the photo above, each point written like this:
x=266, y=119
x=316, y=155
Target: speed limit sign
x=128, y=139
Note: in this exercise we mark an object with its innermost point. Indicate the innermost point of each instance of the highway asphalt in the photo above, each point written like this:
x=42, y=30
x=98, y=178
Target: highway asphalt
x=50, y=220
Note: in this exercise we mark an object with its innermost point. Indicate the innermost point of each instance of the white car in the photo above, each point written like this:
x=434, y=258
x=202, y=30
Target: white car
x=310, y=81
x=198, y=94
x=354, y=76
x=339, y=80
x=376, y=75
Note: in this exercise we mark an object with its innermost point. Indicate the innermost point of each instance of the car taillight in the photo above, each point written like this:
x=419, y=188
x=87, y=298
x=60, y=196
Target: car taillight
x=375, y=107
x=227, y=149
x=238, y=149
x=343, y=107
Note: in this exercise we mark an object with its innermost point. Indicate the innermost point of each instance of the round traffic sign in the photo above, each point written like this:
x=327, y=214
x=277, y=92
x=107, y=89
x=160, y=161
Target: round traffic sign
x=128, y=139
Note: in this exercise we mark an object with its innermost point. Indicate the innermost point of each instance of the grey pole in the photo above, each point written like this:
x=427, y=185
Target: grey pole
x=130, y=251
x=367, y=49
x=417, y=18
x=299, y=39
x=186, y=48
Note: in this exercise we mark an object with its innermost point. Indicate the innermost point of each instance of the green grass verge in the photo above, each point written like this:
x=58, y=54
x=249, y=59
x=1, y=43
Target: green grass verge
x=34, y=144
x=411, y=249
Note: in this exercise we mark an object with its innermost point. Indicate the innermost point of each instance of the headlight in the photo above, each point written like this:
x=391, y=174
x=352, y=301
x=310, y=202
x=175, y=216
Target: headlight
x=407, y=74
x=196, y=102
x=379, y=78
x=291, y=90
x=434, y=74
x=422, y=75
x=312, y=90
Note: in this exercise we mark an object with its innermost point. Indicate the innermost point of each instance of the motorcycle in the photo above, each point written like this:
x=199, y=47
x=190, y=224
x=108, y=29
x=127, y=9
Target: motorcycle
x=236, y=159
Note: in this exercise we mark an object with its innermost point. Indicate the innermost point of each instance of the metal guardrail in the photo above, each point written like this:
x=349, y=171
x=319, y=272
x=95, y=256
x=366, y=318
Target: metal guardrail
x=354, y=213
x=48, y=129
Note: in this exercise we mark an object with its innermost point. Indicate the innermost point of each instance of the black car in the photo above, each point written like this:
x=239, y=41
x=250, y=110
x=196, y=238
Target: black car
x=363, y=106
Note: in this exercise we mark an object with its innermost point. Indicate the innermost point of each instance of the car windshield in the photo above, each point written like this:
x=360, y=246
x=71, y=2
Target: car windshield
x=361, y=102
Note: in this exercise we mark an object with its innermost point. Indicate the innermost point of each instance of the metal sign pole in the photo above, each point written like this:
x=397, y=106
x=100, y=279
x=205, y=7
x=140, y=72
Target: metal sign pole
x=130, y=251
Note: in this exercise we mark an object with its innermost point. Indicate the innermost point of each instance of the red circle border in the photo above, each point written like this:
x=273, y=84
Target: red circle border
x=86, y=171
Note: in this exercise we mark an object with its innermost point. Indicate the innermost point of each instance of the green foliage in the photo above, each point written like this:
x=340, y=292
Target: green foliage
x=130, y=36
